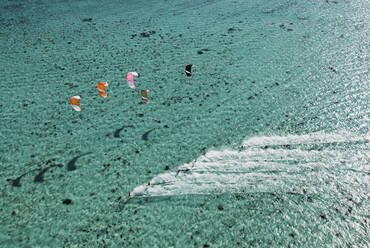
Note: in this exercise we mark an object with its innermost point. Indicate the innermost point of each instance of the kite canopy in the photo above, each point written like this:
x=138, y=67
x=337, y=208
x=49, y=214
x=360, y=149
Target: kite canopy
x=74, y=100
x=130, y=79
x=101, y=89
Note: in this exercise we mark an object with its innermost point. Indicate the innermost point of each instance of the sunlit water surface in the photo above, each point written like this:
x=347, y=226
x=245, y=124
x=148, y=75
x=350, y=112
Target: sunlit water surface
x=267, y=145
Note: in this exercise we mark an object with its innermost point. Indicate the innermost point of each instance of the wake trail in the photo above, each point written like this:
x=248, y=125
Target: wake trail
x=262, y=164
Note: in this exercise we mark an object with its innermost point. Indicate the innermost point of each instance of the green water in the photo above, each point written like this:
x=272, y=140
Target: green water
x=276, y=116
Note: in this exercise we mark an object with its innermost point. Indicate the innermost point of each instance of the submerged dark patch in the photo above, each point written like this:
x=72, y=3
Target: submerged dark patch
x=40, y=177
x=87, y=19
x=332, y=69
x=16, y=182
x=118, y=131
x=67, y=201
x=230, y=30
x=147, y=34
x=145, y=135
x=71, y=164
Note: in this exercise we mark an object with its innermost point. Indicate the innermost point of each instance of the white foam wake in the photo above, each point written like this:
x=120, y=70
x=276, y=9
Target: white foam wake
x=263, y=164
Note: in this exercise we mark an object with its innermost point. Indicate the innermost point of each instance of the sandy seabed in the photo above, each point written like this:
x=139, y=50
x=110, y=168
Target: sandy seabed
x=275, y=116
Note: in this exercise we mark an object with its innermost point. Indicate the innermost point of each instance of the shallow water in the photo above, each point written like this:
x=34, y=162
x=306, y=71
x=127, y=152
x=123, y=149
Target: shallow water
x=266, y=145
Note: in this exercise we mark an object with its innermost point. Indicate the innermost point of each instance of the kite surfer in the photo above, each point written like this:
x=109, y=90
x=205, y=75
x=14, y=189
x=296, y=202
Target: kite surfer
x=188, y=70
x=75, y=104
x=130, y=79
x=101, y=89
x=144, y=95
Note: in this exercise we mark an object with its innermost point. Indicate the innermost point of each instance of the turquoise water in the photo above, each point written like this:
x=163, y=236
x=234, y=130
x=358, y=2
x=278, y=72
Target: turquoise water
x=267, y=145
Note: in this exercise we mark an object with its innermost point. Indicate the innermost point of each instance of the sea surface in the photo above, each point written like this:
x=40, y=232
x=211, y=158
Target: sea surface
x=266, y=145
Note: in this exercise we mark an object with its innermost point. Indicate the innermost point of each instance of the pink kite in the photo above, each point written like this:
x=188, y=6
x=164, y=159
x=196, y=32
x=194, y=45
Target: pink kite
x=130, y=79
